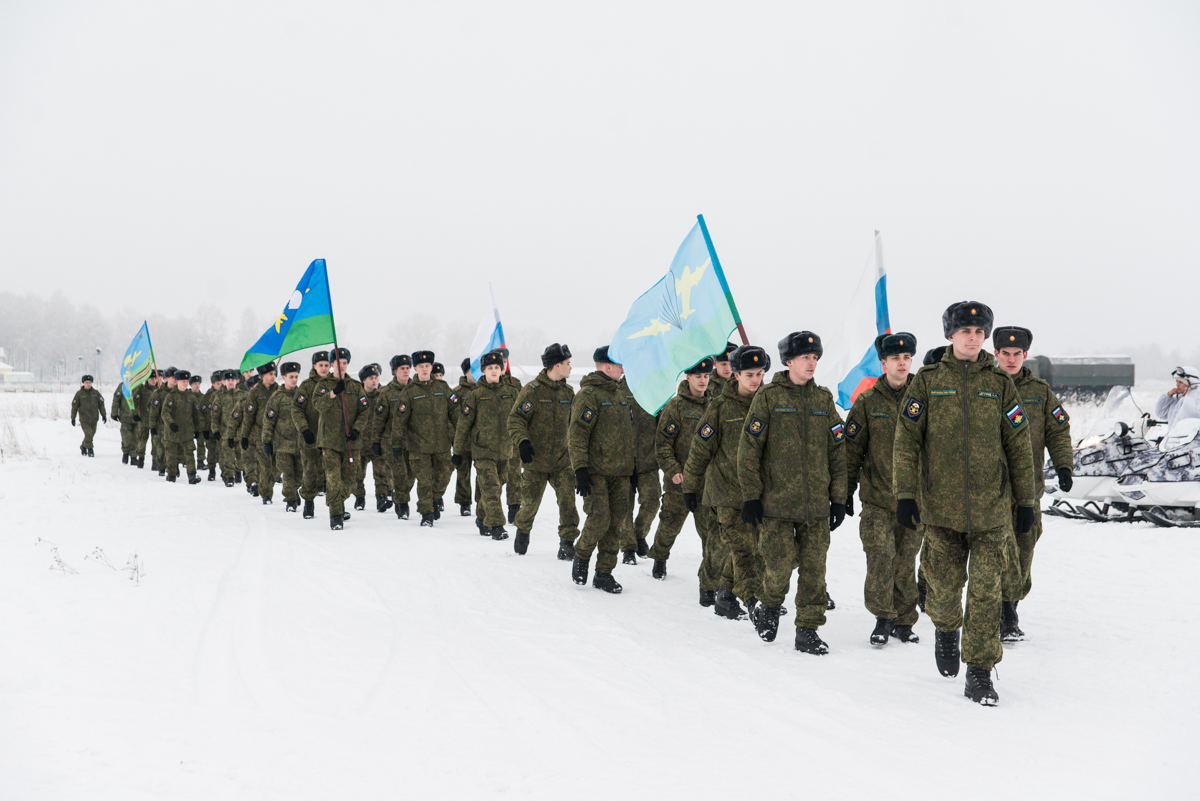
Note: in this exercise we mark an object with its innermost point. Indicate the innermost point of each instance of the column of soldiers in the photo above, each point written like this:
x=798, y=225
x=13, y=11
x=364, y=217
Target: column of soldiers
x=944, y=461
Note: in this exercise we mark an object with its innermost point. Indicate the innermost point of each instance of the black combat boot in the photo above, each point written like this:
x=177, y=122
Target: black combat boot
x=124, y=458
x=335, y=522
x=267, y=501
x=566, y=550
x=464, y=509
x=141, y=463
x=829, y=601
x=438, y=506
x=382, y=504
x=766, y=621
x=345, y=515
x=643, y=547
x=979, y=687
x=360, y=502
x=402, y=511
x=498, y=533
x=945, y=652
x=193, y=478
x=237, y=477
x=707, y=597
x=905, y=634
x=630, y=558
x=162, y=472
x=252, y=488
x=91, y=452
x=171, y=479
x=513, y=508
x=659, y=570
x=921, y=587
x=212, y=474
x=82, y=450
x=308, y=509
x=727, y=605
x=484, y=531
x=200, y=465
x=521, y=542
x=292, y=506
x=1009, y=630
x=606, y=582
x=884, y=626
x=228, y=481
x=809, y=642
x=579, y=570
x=427, y=520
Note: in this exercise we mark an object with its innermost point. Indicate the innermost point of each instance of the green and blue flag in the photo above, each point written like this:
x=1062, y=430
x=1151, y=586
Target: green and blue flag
x=137, y=365
x=306, y=321
x=688, y=315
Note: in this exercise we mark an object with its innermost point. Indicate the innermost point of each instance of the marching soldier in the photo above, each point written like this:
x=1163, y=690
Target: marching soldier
x=421, y=425
x=280, y=440
x=538, y=426
x=600, y=442
x=645, y=484
x=381, y=434
x=260, y=467
x=181, y=416
x=221, y=409
x=513, y=492
x=87, y=405
x=341, y=403
x=211, y=446
x=484, y=424
x=890, y=589
x=710, y=478
x=1049, y=428
x=157, y=443
x=141, y=416
x=121, y=413
x=368, y=376
x=792, y=468
x=306, y=420
x=462, y=487
x=964, y=416
x=193, y=386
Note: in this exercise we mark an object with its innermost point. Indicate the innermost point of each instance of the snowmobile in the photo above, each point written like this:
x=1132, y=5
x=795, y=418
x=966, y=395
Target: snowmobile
x=1164, y=484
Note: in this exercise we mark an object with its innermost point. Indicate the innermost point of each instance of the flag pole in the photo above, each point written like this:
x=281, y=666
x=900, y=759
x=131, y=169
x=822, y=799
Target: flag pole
x=342, y=396
x=712, y=252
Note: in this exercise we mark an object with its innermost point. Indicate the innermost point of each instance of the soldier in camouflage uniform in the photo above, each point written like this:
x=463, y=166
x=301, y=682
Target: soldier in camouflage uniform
x=421, y=425
x=1049, y=428
x=722, y=371
x=306, y=420
x=645, y=485
x=513, y=492
x=341, y=404
x=965, y=417
x=538, y=426
x=462, y=486
x=141, y=416
x=890, y=590
x=399, y=476
x=678, y=423
x=711, y=472
x=280, y=440
x=87, y=405
x=484, y=424
x=194, y=383
x=181, y=416
x=260, y=468
x=220, y=411
x=368, y=376
x=792, y=468
x=212, y=449
x=157, y=443
x=600, y=442
x=121, y=413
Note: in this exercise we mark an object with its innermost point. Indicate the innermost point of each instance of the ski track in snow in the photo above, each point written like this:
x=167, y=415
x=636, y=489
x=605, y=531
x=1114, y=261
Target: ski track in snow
x=264, y=656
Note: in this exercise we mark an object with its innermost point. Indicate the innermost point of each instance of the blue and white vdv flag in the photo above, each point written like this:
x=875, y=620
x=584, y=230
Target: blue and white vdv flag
x=855, y=365
x=488, y=336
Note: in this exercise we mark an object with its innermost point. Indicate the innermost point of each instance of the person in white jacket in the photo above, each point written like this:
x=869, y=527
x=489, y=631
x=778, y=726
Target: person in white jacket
x=1183, y=401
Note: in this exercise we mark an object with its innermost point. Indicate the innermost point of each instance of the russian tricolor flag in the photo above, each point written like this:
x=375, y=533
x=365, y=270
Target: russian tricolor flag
x=866, y=318
x=488, y=336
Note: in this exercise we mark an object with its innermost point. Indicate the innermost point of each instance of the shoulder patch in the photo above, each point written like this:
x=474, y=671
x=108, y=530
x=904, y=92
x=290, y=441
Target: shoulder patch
x=527, y=406
x=270, y=413
x=672, y=428
x=466, y=409
x=156, y=401
x=301, y=398
x=402, y=408
x=838, y=431
x=913, y=409
x=755, y=427
x=380, y=407
x=587, y=415
x=1015, y=415
x=992, y=395
x=322, y=390
x=706, y=431
x=453, y=397
x=1060, y=414
x=852, y=429
x=250, y=407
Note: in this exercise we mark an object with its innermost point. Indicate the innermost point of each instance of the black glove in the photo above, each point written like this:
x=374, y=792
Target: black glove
x=153, y=431
x=689, y=500
x=376, y=449
x=208, y=435
x=104, y=420
x=72, y=422
x=309, y=437
x=456, y=460
x=1064, y=479
x=633, y=481
x=229, y=442
x=752, y=512
x=269, y=449
x=583, y=482
x=116, y=418
x=1024, y=519
x=137, y=418
x=197, y=435
x=397, y=454
x=526, y=449
x=850, y=502
x=245, y=443
x=174, y=428
x=837, y=513
x=339, y=387
x=353, y=435
x=907, y=513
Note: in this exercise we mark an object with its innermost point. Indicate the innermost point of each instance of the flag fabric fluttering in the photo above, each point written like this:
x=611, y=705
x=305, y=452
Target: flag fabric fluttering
x=306, y=321
x=688, y=315
x=488, y=336
x=855, y=364
x=137, y=365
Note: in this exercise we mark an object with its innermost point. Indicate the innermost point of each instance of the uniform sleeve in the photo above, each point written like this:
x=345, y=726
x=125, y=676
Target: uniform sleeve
x=401, y=413
x=299, y=418
x=1058, y=434
x=858, y=440
x=249, y=410
x=268, y=426
x=167, y=412
x=1164, y=404
x=664, y=441
x=579, y=433
x=115, y=411
x=363, y=404
x=383, y=413
x=705, y=444
x=1017, y=448
x=466, y=423
x=520, y=415
x=837, y=456
x=910, y=440
x=74, y=406
x=750, y=445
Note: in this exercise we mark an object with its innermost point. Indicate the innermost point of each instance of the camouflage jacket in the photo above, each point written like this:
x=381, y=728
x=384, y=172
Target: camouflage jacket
x=600, y=437
x=156, y=401
x=483, y=421
x=1049, y=426
x=711, y=469
x=644, y=427
x=279, y=426
x=304, y=413
x=716, y=384
x=423, y=417
x=119, y=408
x=966, y=419
x=386, y=403
x=216, y=412
x=870, y=438
x=255, y=412
x=141, y=403
x=181, y=407
x=542, y=415
x=339, y=414
x=678, y=423
x=461, y=391
x=88, y=405
x=790, y=452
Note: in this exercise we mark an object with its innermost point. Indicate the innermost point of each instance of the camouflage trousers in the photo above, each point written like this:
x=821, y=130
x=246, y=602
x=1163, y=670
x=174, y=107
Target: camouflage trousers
x=1018, y=550
x=954, y=559
x=267, y=472
x=202, y=451
x=380, y=473
x=402, y=476
x=291, y=471
x=490, y=476
x=314, y=471
x=533, y=488
x=139, y=440
x=177, y=453
x=670, y=522
x=89, y=431
x=158, y=451
x=513, y=491
x=227, y=459
x=604, y=506
x=128, y=435
x=339, y=479
x=649, y=494
x=786, y=545
x=432, y=474
x=890, y=589
x=741, y=565
x=462, y=486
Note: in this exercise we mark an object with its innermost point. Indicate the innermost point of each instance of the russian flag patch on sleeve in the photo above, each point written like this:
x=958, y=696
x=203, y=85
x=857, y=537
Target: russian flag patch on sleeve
x=1015, y=415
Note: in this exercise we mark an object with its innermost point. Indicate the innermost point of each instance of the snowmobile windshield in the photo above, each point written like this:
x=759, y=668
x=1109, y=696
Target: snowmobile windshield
x=1180, y=435
x=1119, y=416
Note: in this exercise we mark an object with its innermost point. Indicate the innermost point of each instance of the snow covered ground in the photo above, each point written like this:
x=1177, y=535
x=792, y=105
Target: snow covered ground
x=262, y=656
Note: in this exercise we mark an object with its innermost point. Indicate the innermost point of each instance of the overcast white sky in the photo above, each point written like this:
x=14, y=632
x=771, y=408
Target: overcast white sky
x=1041, y=157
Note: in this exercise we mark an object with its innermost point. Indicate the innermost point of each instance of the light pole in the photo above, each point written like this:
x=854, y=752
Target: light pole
x=98, y=364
